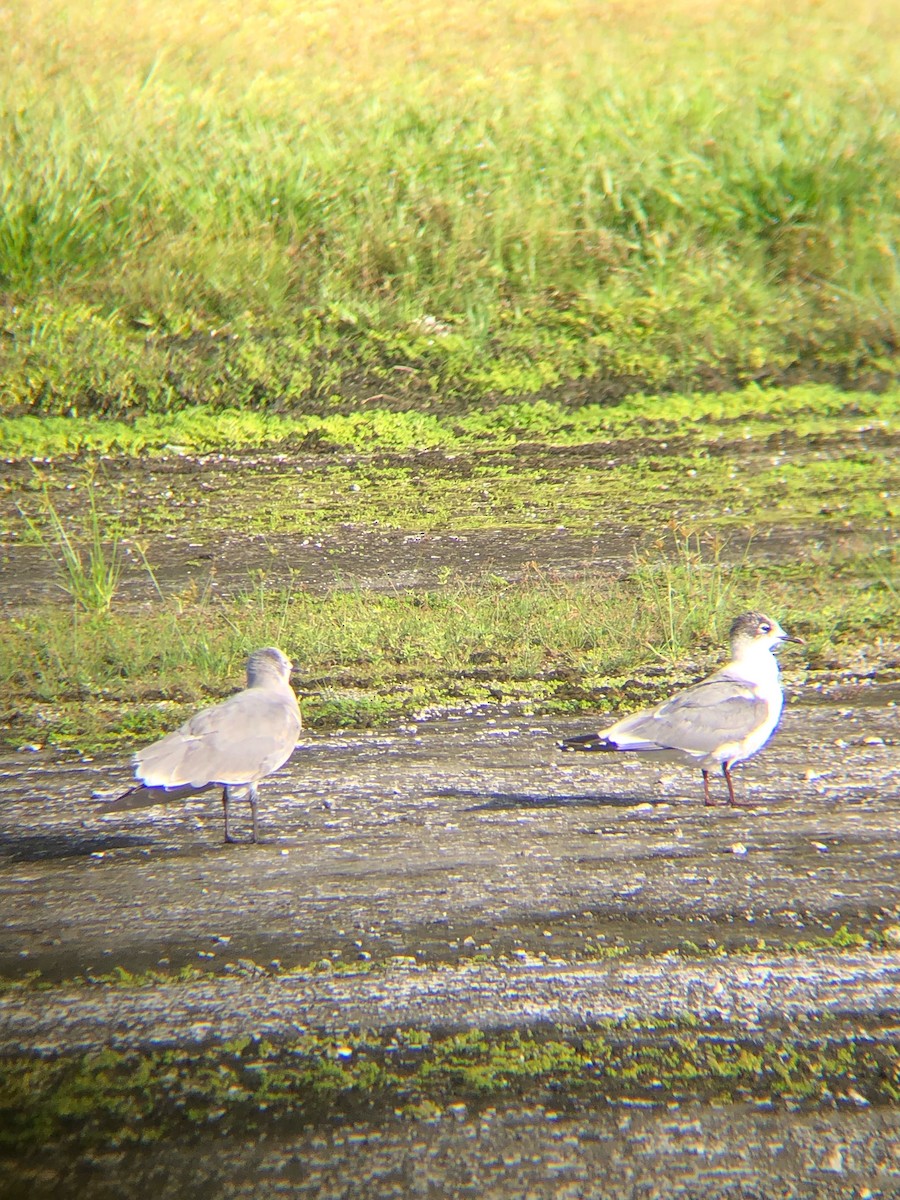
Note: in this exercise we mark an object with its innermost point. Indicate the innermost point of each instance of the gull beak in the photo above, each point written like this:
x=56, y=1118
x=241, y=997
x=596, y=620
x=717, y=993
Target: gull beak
x=798, y=640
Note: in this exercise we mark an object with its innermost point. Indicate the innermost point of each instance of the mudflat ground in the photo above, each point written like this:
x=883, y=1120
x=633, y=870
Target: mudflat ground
x=408, y=841
x=459, y=962
x=455, y=875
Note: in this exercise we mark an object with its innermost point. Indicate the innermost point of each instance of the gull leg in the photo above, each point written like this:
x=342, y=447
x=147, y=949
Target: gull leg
x=254, y=810
x=707, y=799
x=228, y=837
x=727, y=774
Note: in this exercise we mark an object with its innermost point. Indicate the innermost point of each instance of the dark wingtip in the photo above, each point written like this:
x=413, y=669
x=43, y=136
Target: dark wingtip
x=587, y=741
x=144, y=795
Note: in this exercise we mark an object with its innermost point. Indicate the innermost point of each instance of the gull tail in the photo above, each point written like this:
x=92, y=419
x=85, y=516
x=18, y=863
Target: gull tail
x=143, y=796
x=588, y=741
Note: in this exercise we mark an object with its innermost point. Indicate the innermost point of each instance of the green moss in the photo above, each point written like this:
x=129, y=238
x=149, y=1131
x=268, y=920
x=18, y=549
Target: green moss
x=810, y=410
x=110, y=1098
x=749, y=459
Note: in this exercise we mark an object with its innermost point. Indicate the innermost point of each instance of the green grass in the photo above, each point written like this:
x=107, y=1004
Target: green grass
x=541, y=645
x=88, y=574
x=418, y=202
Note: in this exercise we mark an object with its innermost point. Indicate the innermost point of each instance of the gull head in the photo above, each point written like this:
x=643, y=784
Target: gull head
x=753, y=632
x=268, y=666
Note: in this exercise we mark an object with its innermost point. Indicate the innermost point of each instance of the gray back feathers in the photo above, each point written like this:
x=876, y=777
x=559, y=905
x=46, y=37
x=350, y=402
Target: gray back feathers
x=240, y=741
x=696, y=720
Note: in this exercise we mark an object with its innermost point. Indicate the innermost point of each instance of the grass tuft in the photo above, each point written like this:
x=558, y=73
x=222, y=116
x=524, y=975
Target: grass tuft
x=88, y=569
x=689, y=589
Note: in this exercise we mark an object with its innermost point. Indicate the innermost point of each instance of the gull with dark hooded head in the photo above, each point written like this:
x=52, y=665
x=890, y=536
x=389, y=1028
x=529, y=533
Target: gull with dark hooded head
x=715, y=723
x=232, y=745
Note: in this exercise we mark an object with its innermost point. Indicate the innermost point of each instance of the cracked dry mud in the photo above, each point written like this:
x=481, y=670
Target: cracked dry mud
x=463, y=873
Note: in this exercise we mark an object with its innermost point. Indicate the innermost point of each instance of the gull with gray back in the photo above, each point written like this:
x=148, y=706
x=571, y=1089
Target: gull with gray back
x=715, y=723
x=232, y=745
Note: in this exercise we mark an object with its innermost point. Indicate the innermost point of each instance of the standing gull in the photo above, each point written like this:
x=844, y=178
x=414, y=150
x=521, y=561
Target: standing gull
x=718, y=722
x=231, y=745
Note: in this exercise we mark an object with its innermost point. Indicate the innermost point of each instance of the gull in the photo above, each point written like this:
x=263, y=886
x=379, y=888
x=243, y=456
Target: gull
x=718, y=722
x=232, y=745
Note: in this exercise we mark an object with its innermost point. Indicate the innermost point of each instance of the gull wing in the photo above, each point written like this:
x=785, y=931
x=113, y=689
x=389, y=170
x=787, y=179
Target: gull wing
x=699, y=720
x=237, y=742
x=146, y=797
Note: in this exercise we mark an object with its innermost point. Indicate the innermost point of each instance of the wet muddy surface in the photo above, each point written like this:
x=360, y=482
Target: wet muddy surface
x=450, y=874
x=408, y=842
x=736, y=1152
x=463, y=873
x=228, y=563
x=231, y=563
x=221, y=522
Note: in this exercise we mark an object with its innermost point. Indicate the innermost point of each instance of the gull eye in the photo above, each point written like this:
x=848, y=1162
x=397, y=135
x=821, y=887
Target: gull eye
x=765, y=627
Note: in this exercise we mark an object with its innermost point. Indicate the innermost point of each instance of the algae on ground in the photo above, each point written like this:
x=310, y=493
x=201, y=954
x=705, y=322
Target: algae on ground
x=706, y=417
x=111, y=1098
x=755, y=457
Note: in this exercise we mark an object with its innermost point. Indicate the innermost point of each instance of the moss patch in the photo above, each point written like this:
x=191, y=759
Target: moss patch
x=247, y=1086
x=809, y=410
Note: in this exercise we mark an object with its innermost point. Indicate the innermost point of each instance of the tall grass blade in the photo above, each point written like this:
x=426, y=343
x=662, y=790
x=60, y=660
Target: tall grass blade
x=88, y=570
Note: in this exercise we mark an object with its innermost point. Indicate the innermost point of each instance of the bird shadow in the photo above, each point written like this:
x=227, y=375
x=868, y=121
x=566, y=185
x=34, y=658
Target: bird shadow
x=512, y=801
x=54, y=847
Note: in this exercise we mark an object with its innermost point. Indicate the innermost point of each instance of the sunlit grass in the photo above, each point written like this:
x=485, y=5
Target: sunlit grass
x=540, y=644
x=690, y=593
x=88, y=568
x=563, y=189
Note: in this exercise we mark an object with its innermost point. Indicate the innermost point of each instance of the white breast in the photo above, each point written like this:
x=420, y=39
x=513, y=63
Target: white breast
x=760, y=670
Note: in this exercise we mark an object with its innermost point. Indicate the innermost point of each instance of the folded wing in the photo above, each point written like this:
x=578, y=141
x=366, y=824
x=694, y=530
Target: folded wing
x=237, y=742
x=698, y=720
